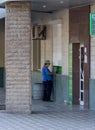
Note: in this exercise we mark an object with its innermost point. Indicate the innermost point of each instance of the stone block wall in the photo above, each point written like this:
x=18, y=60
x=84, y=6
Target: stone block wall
x=17, y=57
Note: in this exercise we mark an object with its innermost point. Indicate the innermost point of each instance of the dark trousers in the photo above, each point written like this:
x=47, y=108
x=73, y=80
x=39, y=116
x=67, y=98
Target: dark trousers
x=48, y=85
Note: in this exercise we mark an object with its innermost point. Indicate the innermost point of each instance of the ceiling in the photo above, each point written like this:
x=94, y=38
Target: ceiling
x=43, y=8
x=50, y=6
x=47, y=7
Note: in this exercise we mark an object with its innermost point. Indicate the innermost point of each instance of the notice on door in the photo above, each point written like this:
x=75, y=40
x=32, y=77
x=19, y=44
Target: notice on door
x=92, y=23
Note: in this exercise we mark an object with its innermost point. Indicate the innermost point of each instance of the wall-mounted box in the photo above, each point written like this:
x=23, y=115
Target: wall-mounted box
x=57, y=69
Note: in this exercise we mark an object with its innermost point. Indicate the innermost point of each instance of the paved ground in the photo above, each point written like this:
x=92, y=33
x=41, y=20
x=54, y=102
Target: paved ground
x=49, y=116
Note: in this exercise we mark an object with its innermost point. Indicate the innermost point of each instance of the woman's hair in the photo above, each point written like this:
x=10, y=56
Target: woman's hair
x=46, y=63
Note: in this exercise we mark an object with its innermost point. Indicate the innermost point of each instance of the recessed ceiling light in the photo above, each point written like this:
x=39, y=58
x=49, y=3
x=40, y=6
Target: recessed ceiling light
x=61, y=2
x=44, y=6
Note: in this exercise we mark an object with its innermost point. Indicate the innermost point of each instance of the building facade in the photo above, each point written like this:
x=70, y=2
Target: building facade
x=62, y=37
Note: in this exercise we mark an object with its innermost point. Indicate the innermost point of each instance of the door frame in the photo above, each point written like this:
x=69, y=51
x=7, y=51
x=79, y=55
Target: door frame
x=75, y=73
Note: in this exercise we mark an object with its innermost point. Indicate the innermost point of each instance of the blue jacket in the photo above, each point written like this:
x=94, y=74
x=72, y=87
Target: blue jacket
x=45, y=74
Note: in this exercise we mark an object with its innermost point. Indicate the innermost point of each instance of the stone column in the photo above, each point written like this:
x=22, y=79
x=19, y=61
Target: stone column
x=17, y=57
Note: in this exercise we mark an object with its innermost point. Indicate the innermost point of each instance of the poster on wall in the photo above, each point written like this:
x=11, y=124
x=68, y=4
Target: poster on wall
x=92, y=23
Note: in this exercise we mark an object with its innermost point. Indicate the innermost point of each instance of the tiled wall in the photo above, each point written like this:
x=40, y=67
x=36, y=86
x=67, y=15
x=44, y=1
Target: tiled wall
x=60, y=86
x=61, y=91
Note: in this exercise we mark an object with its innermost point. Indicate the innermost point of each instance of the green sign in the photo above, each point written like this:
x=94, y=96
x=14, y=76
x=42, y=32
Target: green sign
x=92, y=24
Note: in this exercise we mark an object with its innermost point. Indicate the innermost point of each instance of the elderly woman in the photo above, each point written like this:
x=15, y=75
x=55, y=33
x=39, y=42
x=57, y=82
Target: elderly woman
x=47, y=78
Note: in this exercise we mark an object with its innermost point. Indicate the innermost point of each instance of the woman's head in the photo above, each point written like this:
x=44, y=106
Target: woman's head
x=47, y=62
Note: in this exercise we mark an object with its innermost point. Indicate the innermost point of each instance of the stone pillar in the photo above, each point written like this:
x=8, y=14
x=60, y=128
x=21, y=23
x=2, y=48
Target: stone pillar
x=17, y=57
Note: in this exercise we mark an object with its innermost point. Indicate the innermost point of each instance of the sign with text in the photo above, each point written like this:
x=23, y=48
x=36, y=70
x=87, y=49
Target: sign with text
x=92, y=24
